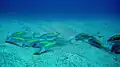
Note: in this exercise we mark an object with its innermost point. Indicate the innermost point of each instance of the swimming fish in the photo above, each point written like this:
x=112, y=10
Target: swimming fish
x=114, y=38
x=96, y=43
x=82, y=36
x=16, y=34
x=43, y=46
x=48, y=36
x=116, y=48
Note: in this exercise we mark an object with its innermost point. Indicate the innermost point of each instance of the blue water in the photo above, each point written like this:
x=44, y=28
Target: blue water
x=60, y=9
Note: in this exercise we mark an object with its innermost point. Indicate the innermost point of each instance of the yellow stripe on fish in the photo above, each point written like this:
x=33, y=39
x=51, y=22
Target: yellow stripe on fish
x=50, y=44
x=18, y=33
x=83, y=34
x=99, y=43
x=47, y=43
x=18, y=38
x=116, y=36
x=33, y=40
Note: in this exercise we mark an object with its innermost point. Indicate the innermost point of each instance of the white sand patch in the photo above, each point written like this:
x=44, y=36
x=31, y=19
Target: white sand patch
x=69, y=55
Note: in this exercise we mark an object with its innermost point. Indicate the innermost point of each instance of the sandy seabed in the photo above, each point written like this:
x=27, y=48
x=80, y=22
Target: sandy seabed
x=68, y=55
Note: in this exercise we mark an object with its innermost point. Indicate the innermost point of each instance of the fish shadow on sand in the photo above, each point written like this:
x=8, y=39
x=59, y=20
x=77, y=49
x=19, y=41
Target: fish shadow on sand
x=61, y=42
x=37, y=53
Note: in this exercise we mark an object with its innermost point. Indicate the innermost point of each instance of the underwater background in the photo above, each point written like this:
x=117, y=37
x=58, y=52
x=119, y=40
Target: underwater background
x=98, y=18
x=78, y=9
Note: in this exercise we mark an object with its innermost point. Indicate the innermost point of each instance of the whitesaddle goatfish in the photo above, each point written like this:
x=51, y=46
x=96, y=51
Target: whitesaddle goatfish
x=48, y=36
x=95, y=42
x=43, y=42
x=79, y=37
x=88, y=39
x=114, y=41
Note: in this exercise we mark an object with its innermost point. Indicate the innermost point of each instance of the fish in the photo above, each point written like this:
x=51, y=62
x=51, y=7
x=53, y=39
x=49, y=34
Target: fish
x=82, y=36
x=96, y=43
x=114, y=38
x=116, y=48
x=79, y=37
